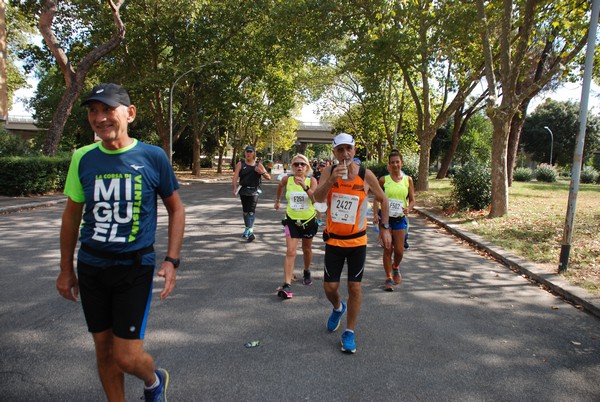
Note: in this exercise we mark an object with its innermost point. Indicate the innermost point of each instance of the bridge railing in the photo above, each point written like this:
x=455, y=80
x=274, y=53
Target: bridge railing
x=15, y=118
x=314, y=125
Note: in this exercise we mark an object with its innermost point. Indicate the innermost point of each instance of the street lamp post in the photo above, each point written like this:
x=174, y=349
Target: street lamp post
x=551, y=143
x=171, y=106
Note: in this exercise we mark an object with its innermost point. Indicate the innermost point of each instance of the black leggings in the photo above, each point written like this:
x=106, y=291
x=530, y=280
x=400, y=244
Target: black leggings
x=249, y=203
x=249, y=207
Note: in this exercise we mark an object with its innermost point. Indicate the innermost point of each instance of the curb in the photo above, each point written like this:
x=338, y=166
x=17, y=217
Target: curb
x=16, y=207
x=31, y=205
x=579, y=297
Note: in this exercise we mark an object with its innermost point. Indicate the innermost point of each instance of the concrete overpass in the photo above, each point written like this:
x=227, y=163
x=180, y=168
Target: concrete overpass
x=25, y=126
x=307, y=132
x=313, y=133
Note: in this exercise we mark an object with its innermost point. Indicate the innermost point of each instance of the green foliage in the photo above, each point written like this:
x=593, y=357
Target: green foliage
x=19, y=25
x=476, y=142
x=378, y=168
x=595, y=163
x=13, y=145
x=410, y=166
x=523, y=174
x=32, y=175
x=472, y=186
x=546, y=173
x=589, y=175
x=562, y=118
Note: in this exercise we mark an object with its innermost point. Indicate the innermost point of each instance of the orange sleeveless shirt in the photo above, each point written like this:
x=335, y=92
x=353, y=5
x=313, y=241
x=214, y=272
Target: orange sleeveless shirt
x=347, y=213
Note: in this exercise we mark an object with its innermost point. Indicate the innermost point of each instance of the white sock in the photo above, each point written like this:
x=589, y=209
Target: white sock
x=156, y=383
x=339, y=309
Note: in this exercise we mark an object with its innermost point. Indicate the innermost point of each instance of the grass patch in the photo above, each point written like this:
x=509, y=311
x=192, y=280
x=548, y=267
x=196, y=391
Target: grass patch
x=534, y=225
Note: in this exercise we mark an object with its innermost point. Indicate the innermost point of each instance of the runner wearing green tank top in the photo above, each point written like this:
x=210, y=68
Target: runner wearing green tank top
x=399, y=189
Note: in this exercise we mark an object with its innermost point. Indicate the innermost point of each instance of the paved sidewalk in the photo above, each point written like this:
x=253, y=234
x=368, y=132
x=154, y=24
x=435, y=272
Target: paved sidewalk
x=553, y=282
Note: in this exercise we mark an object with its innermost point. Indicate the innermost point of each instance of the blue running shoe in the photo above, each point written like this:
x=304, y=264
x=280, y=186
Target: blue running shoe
x=388, y=286
x=246, y=233
x=348, y=345
x=396, y=275
x=333, y=323
x=158, y=394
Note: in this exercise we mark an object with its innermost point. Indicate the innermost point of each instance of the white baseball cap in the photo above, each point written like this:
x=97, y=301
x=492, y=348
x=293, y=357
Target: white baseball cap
x=343, y=138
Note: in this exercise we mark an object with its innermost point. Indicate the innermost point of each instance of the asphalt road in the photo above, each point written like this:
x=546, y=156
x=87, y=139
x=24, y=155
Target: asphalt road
x=461, y=327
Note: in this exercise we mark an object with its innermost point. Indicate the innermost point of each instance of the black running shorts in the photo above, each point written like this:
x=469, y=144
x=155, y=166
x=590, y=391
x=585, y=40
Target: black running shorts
x=116, y=297
x=334, y=262
x=306, y=230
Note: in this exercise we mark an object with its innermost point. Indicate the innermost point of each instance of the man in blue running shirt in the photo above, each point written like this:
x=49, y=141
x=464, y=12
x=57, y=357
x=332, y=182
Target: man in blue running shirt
x=112, y=189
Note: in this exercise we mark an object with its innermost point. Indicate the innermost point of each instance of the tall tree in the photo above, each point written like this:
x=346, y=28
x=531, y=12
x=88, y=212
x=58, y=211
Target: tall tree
x=516, y=24
x=430, y=43
x=74, y=76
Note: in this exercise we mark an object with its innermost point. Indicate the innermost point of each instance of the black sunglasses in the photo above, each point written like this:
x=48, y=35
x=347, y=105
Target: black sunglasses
x=296, y=164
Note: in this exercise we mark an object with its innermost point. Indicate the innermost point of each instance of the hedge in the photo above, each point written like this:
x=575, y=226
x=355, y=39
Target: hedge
x=23, y=176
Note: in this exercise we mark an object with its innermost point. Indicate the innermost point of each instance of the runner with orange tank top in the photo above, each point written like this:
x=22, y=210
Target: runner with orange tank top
x=345, y=188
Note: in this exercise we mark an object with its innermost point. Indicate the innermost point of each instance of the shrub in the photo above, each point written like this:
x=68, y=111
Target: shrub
x=472, y=186
x=546, y=173
x=378, y=168
x=13, y=145
x=32, y=175
x=589, y=175
x=522, y=174
x=411, y=166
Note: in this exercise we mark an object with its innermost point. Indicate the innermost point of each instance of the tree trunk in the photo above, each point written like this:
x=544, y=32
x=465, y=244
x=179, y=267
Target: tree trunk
x=220, y=163
x=196, y=152
x=424, y=155
x=513, y=140
x=501, y=123
x=457, y=131
x=198, y=129
x=60, y=116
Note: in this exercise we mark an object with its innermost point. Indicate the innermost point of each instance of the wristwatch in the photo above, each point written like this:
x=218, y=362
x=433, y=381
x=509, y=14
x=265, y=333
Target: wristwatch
x=174, y=261
x=385, y=225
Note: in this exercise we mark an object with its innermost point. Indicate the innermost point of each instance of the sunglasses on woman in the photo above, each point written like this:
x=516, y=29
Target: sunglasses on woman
x=296, y=164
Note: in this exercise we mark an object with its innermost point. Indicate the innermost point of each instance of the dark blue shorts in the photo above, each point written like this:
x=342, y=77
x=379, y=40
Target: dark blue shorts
x=399, y=223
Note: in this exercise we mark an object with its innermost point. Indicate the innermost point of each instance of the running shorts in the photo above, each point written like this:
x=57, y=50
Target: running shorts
x=116, y=297
x=334, y=262
x=306, y=230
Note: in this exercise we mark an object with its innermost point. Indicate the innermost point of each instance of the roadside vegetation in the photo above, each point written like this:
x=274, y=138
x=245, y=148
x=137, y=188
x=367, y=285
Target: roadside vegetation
x=533, y=228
